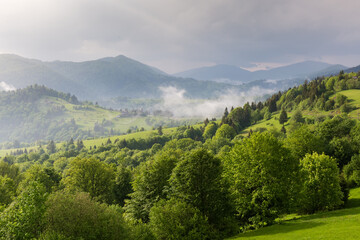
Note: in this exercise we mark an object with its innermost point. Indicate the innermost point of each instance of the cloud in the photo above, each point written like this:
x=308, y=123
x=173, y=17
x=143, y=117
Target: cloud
x=180, y=106
x=6, y=87
x=177, y=34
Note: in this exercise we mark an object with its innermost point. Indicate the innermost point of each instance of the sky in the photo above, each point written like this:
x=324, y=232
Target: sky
x=176, y=35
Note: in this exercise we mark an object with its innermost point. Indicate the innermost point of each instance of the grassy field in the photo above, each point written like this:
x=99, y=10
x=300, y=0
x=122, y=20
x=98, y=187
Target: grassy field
x=353, y=98
x=339, y=224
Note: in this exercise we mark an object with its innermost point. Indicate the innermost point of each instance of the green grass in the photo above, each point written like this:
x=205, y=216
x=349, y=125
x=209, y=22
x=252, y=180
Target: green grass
x=353, y=98
x=339, y=224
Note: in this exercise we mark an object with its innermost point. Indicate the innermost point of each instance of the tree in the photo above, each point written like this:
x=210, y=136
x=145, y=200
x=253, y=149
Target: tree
x=122, y=187
x=48, y=177
x=302, y=141
x=297, y=117
x=197, y=180
x=225, y=131
x=352, y=171
x=92, y=176
x=210, y=130
x=24, y=218
x=320, y=184
x=175, y=219
x=78, y=216
x=160, y=131
x=283, y=117
x=262, y=177
x=51, y=147
x=150, y=184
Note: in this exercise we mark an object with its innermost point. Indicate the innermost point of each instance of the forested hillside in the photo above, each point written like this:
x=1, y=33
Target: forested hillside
x=38, y=113
x=209, y=181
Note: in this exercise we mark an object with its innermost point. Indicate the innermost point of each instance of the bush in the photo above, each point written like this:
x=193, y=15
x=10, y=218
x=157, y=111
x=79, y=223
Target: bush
x=176, y=219
x=352, y=171
x=78, y=216
x=320, y=184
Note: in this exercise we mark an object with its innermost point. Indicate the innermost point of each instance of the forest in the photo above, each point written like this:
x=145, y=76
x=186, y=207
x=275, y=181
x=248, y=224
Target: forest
x=206, y=181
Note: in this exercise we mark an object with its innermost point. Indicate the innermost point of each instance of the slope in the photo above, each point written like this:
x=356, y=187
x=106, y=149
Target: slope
x=38, y=113
x=340, y=224
x=99, y=79
x=297, y=70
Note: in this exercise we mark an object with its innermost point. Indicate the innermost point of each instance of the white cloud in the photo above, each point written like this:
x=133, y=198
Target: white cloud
x=175, y=34
x=180, y=106
x=6, y=87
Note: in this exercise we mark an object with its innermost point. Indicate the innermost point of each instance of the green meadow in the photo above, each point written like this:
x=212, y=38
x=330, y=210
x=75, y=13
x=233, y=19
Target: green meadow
x=339, y=224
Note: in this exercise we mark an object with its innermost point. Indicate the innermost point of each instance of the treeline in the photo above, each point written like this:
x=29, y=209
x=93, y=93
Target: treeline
x=178, y=186
x=207, y=182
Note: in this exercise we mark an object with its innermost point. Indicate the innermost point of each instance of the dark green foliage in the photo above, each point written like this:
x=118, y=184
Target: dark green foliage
x=352, y=171
x=320, y=184
x=122, y=186
x=283, y=117
x=197, y=180
x=262, y=177
x=150, y=184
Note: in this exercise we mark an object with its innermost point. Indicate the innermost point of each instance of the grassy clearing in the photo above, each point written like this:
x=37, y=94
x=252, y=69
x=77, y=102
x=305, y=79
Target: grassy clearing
x=340, y=224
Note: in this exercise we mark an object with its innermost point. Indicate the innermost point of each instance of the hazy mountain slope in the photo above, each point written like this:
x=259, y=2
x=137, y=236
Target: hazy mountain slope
x=302, y=69
x=217, y=72
x=21, y=72
x=353, y=69
x=99, y=79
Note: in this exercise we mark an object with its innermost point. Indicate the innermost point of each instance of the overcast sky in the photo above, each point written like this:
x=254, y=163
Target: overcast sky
x=176, y=35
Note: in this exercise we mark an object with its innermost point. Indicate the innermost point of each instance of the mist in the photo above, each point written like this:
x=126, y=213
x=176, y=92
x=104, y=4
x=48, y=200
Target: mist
x=174, y=101
x=6, y=87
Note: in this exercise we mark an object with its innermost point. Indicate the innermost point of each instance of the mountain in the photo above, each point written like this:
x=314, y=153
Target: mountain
x=216, y=73
x=99, y=79
x=297, y=70
x=353, y=69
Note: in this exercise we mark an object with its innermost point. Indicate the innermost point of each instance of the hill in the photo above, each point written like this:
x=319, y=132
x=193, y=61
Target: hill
x=39, y=113
x=233, y=73
x=99, y=79
x=219, y=72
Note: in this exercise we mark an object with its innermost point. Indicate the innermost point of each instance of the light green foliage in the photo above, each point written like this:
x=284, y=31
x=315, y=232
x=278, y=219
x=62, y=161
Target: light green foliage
x=210, y=130
x=225, y=131
x=262, y=177
x=297, y=117
x=302, y=141
x=46, y=176
x=7, y=190
x=320, y=184
x=78, y=216
x=267, y=115
x=332, y=225
x=92, y=176
x=175, y=219
x=23, y=219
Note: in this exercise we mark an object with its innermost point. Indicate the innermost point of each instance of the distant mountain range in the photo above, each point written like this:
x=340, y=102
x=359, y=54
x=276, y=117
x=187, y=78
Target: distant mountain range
x=99, y=79
x=227, y=73
x=113, y=77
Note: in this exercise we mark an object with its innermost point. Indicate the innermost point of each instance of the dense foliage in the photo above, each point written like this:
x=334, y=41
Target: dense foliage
x=203, y=182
